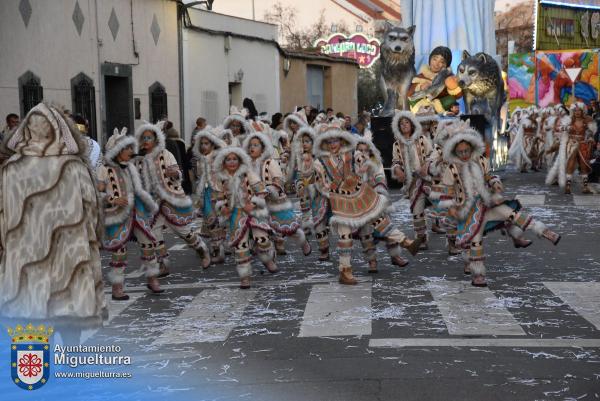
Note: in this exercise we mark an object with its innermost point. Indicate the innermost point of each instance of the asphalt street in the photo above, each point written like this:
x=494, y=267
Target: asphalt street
x=416, y=333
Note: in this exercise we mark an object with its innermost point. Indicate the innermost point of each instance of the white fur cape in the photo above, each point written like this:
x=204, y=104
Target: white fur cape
x=471, y=173
x=152, y=181
x=234, y=183
x=559, y=167
x=348, y=142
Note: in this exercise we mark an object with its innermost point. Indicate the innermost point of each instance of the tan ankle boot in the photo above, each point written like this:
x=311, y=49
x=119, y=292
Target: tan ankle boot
x=118, y=294
x=373, y=266
x=245, y=283
x=411, y=246
x=551, y=236
x=346, y=276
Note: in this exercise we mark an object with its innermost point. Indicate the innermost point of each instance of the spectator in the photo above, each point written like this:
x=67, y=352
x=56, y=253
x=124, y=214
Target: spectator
x=176, y=145
x=277, y=121
x=339, y=115
x=312, y=115
x=12, y=121
x=330, y=114
x=200, y=125
x=348, y=125
x=594, y=176
x=248, y=104
x=94, y=152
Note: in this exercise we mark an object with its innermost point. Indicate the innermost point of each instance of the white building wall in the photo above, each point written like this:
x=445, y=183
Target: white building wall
x=209, y=67
x=51, y=47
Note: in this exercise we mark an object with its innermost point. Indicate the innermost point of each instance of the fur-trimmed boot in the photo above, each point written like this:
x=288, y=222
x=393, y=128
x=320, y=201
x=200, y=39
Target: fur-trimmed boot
x=466, y=267
x=517, y=237
x=151, y=269
x=203, y=252
x=346, y=276
x=266, y=256
x=477, y=273
x=544, y=232
x=568, y=187
x=245, y=272
x=218, y=254
x=413, y=245
x=395, y=255
x=586, y=186
x=280, y=246
x=117, y=277
x=163, y=267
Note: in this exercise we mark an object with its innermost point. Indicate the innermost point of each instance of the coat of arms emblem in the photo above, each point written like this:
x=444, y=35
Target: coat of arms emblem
x=30, y=355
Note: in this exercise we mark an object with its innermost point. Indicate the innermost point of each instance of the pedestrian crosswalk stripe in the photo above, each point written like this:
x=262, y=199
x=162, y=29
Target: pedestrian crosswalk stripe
x=583, y=298
x=178, y=247
x=485, y=342
x=586, y=200
x=209, y=317
x=532, y=200
x=469, y=310
x=337, y=310
x=115, y=308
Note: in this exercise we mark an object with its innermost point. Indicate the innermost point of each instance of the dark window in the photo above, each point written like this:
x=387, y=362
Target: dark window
x=83, y=96
x=158, y=102
x=30, y=92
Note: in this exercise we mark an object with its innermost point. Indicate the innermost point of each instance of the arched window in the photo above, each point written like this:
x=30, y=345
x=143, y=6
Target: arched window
x=158, y=102
x=83, y=97
x=30, y=91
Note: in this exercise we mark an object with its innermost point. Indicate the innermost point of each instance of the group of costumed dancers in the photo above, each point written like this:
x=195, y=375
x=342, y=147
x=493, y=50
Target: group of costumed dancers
x=246, y=171
x=557, y=138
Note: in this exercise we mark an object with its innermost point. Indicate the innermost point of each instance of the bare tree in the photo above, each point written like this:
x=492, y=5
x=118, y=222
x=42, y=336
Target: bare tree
x=293, y=37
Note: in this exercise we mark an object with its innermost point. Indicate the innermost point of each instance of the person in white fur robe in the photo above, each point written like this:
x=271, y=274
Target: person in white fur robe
x=474, y=198
x=50, y=224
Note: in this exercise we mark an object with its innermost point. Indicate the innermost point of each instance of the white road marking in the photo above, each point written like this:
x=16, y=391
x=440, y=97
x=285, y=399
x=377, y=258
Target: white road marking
x=224, y=284
x=583, y=298
x=485, y=342
x=469, y=310
x=532, y=200
x=337, y=310
x=209, y=317
x=178, y=247
x=115, y=308
x=586, y=200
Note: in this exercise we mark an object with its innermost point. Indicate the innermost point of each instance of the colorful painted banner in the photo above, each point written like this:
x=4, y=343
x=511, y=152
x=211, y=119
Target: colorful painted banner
x=521, y=80
x=357, y=46
x=553, y=83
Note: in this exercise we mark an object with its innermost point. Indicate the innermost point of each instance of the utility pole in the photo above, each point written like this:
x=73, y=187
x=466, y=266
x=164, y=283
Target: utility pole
x=253, y=14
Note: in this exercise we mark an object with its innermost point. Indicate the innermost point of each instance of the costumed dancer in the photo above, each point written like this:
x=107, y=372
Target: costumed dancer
x=557, y=173
x=446, y=129
x=282, y=218
x=162, y=179
x=579, y=153
x=291, y=124
x=206, y=145
x=313, y=205
x=243, y=209
x=410, y=154
x=435, y=84
x=48, y=271
x=369, y=165
x=473, y=197
x=129, y=211
x=237, y=123
x=527, y=146
x=355, y=204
